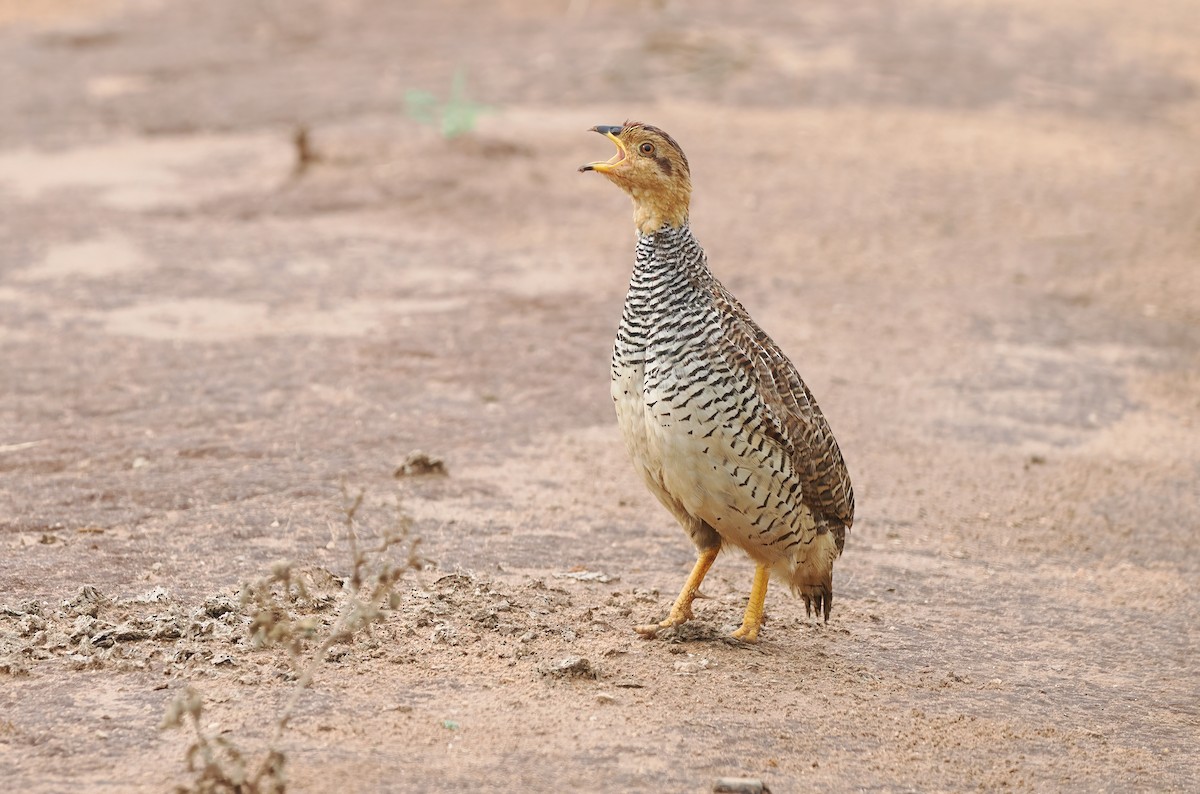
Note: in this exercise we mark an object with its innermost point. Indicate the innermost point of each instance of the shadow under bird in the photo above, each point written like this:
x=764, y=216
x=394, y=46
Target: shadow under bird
x=715, y=416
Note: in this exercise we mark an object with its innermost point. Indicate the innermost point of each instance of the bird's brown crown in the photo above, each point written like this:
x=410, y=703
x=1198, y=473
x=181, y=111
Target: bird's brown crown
x=652, y=169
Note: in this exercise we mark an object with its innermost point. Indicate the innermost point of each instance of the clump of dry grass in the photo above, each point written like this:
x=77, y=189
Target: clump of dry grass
x=218, y=766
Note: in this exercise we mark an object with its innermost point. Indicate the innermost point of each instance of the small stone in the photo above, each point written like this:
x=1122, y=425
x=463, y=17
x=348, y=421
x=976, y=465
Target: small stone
x=570, y=666
x=30, y=624
x=13, y=666
x=740, y=785
x=588, y=576
x=418, y=463
x=692, y=666
x=24, y=608
x=86, y=603
x=217, y=606
x=155, y=595
x=83, y=626
x=167, y=629
x=605, y=699
x=445, y=633
x=128, y=632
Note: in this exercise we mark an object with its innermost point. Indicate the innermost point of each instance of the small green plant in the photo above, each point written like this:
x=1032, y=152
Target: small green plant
x=454, y=117
x=218, y=766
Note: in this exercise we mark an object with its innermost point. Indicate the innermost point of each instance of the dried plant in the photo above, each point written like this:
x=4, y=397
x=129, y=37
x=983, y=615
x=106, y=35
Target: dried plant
x=216, y=763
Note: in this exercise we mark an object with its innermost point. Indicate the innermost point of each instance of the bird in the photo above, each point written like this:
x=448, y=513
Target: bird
x=714, y=415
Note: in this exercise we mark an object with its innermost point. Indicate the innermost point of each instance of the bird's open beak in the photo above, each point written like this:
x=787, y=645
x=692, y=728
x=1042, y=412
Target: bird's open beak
x=606, y=166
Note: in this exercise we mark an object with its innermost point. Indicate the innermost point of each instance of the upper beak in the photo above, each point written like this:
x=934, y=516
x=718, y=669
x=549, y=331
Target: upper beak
x=605, y=166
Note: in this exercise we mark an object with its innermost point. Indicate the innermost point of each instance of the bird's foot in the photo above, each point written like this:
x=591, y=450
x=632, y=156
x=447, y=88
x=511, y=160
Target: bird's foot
x=680, y=614
x=681, y=610
x=748, y=633
x=753, y=619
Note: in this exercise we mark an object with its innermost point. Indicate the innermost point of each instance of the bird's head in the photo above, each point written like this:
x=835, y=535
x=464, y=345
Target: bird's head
x=652, y=169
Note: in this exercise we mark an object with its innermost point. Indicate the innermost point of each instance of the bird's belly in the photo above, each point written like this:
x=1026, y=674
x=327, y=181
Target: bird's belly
x=741, y=484
x=701, y=463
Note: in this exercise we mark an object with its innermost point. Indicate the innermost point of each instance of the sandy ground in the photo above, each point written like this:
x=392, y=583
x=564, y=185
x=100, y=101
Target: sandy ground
x=975, y=226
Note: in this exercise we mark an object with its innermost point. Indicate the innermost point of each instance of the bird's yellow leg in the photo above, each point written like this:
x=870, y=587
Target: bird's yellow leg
x=754, y=607
x=681, y=612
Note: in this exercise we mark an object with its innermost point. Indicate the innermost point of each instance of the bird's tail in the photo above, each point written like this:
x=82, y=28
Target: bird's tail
x=812, y=574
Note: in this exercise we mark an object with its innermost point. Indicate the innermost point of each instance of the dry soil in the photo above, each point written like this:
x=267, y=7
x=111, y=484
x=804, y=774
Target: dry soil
x=243, y=267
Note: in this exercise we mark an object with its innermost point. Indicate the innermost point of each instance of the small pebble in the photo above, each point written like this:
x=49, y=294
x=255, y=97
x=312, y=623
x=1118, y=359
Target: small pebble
x=740, y=785
x=574, y=666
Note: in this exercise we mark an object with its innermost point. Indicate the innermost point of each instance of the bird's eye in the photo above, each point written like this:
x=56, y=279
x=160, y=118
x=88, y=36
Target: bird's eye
x=646, y=148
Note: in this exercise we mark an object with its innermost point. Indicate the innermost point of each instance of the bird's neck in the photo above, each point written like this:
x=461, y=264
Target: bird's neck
x=668, y=292
x=670, y=256
x=653, y=209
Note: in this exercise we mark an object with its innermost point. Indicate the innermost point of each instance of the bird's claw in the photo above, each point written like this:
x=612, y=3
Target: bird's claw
x=650, y=630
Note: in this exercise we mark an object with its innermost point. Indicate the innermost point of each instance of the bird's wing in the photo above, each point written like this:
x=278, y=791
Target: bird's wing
x=793, y=413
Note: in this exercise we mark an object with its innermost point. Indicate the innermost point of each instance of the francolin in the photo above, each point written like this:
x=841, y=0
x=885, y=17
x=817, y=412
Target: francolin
x=715, y=417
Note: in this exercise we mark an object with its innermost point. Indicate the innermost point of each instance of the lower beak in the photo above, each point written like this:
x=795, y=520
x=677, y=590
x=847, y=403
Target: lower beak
x=606, y=166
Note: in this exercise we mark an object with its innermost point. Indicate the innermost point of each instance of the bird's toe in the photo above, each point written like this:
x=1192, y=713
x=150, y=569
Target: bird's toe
x=746, y=634
x=649, y=630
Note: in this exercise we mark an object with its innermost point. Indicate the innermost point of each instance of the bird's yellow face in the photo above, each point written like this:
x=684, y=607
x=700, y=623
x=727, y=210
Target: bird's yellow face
x=652, y=169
